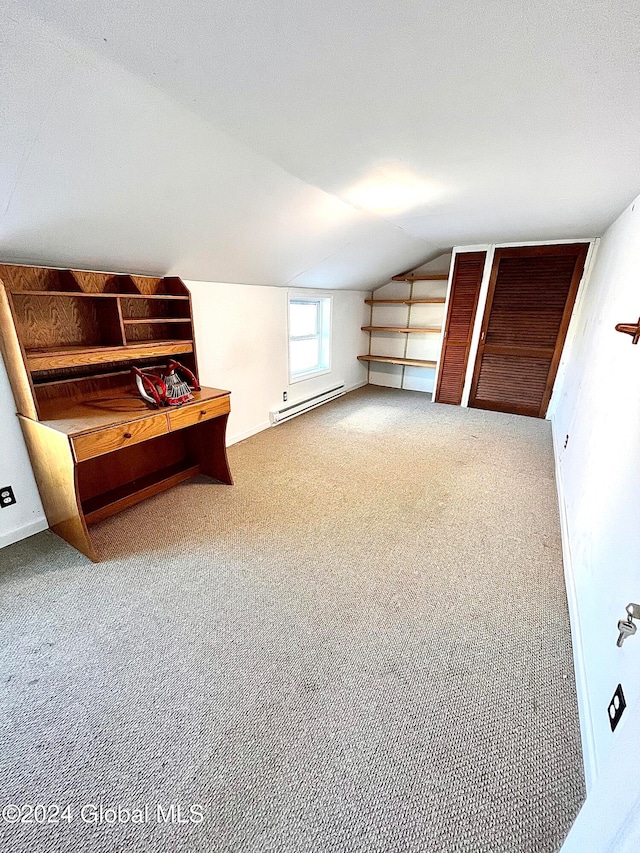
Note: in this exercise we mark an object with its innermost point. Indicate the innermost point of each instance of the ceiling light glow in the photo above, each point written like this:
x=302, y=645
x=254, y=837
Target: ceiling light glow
x=391, y=190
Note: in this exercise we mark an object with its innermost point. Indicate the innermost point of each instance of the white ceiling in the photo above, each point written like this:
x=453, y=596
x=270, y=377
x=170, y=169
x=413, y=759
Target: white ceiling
x=357, y=138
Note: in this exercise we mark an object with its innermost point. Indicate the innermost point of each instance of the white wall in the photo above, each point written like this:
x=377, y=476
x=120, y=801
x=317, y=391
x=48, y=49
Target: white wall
x=26, y=516
x=241, y=336
x=598, y=406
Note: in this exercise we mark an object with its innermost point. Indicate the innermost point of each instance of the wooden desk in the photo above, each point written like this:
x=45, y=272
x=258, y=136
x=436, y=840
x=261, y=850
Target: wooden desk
x=69, y=340
x=96, y=456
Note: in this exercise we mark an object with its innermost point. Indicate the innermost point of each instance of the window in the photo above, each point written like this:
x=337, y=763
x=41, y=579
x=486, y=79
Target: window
x=309, y=336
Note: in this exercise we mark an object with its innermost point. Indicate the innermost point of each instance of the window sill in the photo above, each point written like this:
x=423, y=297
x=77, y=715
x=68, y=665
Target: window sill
x=302, y=377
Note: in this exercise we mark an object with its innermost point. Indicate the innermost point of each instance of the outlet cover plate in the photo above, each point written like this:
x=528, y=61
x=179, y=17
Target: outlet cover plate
x=616, y=707
x=7, y=498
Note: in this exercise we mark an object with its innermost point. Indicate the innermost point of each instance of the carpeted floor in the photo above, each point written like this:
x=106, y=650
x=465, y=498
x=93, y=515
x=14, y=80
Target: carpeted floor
x=361, y=646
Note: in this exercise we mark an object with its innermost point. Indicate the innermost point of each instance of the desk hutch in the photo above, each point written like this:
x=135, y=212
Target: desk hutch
x=69, y=339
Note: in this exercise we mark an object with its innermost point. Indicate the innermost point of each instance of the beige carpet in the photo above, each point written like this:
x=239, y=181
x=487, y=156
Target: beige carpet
x=361, y=646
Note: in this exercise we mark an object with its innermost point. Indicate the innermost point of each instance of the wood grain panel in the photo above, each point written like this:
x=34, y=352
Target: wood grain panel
x=56, y=321
x=206, y=442
x=30, y=278
x=175, y=285
x=54, y=359
x=129, y=464
x=195, y=413
x=103, y=441
x=104, y=505
x=13, y=355
x=149, y=309
x=60, y=388
x=148, y=285
x=463, y=302
x=94, y=282
x=123, y=405
x=531, y=296
x=156, y=330
x=54, y=469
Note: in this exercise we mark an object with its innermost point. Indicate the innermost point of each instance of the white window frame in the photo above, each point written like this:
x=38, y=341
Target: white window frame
x=323, y=333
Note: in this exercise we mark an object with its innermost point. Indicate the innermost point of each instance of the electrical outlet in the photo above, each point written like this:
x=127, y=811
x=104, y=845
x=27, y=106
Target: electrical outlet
x=566, y=441
x=284, y=396
x=7, y=498
x=616, y=707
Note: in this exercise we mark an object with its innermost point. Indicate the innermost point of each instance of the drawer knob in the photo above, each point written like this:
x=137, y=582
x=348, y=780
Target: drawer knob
x=203, y=411
x=127, y=435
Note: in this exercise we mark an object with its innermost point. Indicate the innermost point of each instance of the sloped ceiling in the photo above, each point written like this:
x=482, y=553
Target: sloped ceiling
x=321, y=144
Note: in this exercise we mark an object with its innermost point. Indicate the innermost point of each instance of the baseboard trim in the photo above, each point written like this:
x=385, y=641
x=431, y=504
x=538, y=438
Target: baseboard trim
x=254, y=430
x=584, y=705
x=348, y=388
x=23, y=532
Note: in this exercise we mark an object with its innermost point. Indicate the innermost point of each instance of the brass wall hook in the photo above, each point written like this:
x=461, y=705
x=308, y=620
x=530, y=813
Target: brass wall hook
x=632, y=329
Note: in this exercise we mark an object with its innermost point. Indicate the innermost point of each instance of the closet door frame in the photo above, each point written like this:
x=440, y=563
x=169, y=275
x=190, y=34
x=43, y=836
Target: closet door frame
x=581, y=250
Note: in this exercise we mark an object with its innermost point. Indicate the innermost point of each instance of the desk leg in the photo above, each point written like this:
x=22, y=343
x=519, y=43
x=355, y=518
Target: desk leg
x=207, y=444
x=55, y=473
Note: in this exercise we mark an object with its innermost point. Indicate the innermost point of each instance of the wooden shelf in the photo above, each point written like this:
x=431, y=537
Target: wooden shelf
x=79, y=356
x=148, y=320
x=436, y=300
x=82, y=295
x=421, y=329
x=433, y=277
x=407, y=362
x=70, y=380
x=138, y=490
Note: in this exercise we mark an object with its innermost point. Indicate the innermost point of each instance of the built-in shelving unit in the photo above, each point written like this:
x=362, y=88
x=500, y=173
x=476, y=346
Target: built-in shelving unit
x=410, y=307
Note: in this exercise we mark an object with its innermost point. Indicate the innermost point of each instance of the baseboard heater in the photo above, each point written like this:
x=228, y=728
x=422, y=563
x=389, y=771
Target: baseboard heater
x=277, y=416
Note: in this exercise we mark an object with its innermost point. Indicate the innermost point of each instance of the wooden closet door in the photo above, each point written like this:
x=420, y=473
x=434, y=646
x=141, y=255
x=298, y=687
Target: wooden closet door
x=531, y=295
x=463, y=301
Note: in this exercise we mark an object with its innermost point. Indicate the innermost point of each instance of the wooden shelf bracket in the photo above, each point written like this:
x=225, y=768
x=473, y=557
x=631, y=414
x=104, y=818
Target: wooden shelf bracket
x=632, y=329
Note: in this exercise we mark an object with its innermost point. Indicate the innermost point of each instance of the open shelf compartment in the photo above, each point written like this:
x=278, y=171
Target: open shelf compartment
x=54, y=322
x=128, y=494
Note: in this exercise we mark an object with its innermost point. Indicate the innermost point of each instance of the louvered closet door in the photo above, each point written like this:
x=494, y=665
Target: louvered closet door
x=529, y=304
x=463, y=301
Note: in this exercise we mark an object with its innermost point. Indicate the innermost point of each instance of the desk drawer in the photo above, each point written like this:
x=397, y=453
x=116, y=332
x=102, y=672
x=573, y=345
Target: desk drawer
x=114, y=438
x=195, y=413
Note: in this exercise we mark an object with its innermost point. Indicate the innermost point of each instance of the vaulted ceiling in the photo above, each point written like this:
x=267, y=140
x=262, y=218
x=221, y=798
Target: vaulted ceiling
x=319, y=144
